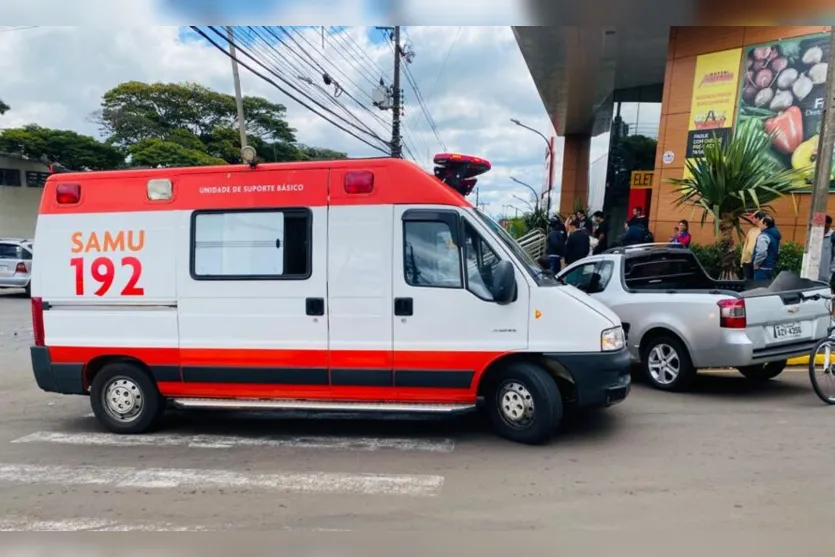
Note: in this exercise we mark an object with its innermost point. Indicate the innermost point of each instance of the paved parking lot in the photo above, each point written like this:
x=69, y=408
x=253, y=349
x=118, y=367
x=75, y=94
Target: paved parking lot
x=726, y=459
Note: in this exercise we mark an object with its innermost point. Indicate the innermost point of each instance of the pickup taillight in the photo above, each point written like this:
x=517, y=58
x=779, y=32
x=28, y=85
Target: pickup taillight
x=21, y=268
x=37, y=321
x=732, y=314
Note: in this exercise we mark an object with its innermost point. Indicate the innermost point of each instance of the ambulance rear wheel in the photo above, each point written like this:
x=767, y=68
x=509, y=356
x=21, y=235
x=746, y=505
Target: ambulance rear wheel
x=125, y=399
x=525, y=404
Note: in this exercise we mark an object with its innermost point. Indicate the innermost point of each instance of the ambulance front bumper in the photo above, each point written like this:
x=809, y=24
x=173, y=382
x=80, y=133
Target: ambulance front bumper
x=600, y=378
x=56, y=378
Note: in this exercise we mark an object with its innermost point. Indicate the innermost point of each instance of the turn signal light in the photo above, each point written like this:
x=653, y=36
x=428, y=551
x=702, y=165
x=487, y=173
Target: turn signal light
x=359, y=181
x=67, y=194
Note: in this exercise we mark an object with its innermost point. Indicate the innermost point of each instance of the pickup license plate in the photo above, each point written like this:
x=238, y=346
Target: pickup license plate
x=787, y=331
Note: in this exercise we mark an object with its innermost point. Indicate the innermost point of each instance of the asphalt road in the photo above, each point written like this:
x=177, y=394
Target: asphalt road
x=737, y=462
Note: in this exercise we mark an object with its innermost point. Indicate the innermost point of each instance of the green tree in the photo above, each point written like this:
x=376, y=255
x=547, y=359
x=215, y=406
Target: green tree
x=192, y=117
x=156, y=152
x=73, y=150
x=735, y=179
x=3, y=107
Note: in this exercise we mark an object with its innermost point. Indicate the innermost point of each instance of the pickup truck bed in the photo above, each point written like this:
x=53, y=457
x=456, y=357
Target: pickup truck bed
x=679, y=319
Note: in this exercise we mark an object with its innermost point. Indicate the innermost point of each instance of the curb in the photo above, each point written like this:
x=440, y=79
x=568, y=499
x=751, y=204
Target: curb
x=804, y=360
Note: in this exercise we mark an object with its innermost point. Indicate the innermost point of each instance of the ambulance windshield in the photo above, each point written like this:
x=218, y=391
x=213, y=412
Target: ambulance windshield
x=524, y=257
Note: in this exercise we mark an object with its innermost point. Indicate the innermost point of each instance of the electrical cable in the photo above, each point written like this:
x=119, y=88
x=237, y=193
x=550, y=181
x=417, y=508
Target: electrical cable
x=283, y=90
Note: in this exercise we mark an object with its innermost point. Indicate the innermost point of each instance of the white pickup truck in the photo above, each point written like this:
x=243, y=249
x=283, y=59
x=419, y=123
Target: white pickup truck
x=678, y=319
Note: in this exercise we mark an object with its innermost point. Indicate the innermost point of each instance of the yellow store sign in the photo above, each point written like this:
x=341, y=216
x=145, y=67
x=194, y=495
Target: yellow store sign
x=641, y=179
x=712, y=106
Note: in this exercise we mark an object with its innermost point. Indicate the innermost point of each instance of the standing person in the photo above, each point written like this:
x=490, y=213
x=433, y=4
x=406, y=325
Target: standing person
x=747, y=259
x=635, y=234
x=578, y=245
x=682, y=236
x=601, y=232
x=638, y=218
x=555, y=243
x=767, y=249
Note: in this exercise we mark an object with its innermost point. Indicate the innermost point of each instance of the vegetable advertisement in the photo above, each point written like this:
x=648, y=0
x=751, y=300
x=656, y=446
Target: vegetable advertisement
x=783, y=87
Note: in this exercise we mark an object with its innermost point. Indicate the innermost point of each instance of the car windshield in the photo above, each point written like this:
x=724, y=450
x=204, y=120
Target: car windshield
x=530, y=265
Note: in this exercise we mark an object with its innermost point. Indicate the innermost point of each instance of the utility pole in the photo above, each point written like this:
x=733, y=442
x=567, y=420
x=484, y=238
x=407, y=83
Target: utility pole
x=823, y=174
x=239, y=100
x=396, y=147
x=396, y=94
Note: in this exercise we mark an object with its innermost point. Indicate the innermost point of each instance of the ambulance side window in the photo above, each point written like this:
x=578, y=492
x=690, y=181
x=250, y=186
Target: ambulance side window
x=272, y=244
x=431, y=257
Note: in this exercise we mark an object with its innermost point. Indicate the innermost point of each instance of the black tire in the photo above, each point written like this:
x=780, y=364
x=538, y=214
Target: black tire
x=539, y=389
x=133, y=384
x=763, y=372
x=682, y=379
x=28, y=290
x=828, y=399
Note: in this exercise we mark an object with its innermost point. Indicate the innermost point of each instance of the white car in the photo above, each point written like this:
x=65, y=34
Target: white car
x=16, y=263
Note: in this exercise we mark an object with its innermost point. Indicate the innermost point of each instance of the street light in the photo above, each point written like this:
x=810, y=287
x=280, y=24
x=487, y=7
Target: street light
x=535, y=195
x=550, y=144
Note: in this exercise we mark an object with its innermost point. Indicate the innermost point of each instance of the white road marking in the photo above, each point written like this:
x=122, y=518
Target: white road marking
x=229, y=441
x=172, y=478
x=23, y=524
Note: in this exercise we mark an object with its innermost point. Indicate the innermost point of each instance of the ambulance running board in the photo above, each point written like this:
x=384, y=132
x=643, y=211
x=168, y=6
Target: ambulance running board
x=317, y=405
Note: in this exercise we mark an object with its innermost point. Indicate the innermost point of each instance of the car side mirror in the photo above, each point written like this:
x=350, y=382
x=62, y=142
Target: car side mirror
x=504, y=283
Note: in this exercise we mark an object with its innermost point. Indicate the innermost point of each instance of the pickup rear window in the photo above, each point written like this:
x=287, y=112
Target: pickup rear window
x=666, y=272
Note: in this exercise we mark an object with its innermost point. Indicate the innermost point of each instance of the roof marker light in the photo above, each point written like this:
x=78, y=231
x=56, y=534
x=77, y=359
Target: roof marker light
x=160, y=189
x=359, y=182
x=68, y=194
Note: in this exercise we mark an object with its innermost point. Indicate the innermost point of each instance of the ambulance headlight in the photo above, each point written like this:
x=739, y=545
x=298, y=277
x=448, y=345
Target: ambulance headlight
x=160, y=189
x=612, y=339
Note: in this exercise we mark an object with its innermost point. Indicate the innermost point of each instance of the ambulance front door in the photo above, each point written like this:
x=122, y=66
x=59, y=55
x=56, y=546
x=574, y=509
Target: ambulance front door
x=447, y=326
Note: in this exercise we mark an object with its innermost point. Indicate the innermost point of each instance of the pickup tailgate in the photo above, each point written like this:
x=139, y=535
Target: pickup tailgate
x=786, y=322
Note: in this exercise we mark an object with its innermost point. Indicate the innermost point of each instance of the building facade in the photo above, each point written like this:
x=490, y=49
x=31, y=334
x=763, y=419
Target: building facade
x=21, y=185
x=704, y=80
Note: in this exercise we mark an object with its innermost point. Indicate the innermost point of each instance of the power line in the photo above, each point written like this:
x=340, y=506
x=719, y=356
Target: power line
x=283, y=90
x=446, y=60
x=18, y=28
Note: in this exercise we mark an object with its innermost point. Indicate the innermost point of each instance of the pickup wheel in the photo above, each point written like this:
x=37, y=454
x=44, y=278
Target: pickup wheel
x=125, y=399
x=667, y=364
x=524, y=404
x=764, y=372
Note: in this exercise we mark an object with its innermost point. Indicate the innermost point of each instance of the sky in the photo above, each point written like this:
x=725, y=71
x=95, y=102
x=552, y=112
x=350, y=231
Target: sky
x=473, y=80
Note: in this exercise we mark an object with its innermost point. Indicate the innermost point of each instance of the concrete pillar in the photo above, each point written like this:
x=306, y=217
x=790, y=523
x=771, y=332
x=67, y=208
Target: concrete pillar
x=575, y=173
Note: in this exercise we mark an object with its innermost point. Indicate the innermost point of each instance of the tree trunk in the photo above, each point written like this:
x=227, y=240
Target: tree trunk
x=726, y=229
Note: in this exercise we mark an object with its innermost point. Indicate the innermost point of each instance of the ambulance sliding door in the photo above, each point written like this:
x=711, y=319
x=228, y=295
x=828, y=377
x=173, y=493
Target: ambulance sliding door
x=252, y=298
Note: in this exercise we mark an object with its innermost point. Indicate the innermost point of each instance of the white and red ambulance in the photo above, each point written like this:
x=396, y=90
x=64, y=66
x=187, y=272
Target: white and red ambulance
x=353, y=285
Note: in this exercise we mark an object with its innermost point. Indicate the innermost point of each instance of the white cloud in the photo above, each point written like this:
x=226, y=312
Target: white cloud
x=473, y=81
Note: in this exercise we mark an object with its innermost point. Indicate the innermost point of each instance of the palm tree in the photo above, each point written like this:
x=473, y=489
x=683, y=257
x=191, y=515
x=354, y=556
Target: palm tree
x=733, y=180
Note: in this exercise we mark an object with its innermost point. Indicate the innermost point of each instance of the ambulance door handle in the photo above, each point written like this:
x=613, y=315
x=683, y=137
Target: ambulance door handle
x=315, y=306
x=403, y=306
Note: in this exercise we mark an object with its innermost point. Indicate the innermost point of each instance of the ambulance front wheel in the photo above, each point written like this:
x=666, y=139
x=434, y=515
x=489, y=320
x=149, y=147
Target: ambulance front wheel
x=125, y=399
x=525, y=404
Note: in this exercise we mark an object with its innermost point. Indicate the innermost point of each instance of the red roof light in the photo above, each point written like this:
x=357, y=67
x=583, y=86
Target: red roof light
x=68, y=194
x=359, y=182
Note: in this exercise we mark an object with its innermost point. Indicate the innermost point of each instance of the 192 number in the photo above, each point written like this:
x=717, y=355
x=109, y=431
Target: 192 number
x=103, y=271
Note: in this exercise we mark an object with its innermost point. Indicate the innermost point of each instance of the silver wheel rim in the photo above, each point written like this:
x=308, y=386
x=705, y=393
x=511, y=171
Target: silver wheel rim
x=825, y=372
x=516, y=404
x=123, y=399
x=664, y=364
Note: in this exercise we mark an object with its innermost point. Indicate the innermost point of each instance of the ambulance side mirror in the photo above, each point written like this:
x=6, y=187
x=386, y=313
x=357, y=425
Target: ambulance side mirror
x=504, y=283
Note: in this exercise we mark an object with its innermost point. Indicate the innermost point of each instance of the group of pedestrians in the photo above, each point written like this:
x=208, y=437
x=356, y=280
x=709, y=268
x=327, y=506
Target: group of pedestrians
x=761, y=249
x=575, y=239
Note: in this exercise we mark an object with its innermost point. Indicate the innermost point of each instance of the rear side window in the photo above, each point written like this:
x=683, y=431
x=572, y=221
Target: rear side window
x=272, y=244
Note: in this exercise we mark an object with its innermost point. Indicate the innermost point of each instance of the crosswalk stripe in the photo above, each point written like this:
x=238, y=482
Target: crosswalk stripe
x=202, y=441
x=174, y=478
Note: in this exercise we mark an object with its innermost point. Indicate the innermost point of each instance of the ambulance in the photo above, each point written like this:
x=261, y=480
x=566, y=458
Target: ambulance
x=366, y=285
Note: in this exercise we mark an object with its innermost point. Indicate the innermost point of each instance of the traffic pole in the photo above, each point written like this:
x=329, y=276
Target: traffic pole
x=550, y=175
x=823, y=174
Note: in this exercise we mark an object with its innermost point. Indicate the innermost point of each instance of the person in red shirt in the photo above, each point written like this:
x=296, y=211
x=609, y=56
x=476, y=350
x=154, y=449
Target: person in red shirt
x=682, y=236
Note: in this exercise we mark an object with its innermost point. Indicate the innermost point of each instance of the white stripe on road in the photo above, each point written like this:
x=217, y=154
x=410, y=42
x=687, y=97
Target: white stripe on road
x=171, y=478
x=228, y=441
x=20, y=524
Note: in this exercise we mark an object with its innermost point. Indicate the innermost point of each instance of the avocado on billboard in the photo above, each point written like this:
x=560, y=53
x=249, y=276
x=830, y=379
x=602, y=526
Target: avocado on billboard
x=783, y=87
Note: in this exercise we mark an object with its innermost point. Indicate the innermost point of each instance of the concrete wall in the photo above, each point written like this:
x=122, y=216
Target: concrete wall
x=19, y=204
x=686, y=43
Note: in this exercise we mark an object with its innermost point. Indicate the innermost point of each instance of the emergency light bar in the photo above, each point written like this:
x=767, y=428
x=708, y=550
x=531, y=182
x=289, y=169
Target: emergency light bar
x=459, y=171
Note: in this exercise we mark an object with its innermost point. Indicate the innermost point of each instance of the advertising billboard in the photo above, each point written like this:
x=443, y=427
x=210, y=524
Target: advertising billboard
x=784, y=88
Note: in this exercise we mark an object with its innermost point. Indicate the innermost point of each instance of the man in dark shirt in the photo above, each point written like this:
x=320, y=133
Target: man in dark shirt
x=555, y=243
x=601, y=232
x=578, y=244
